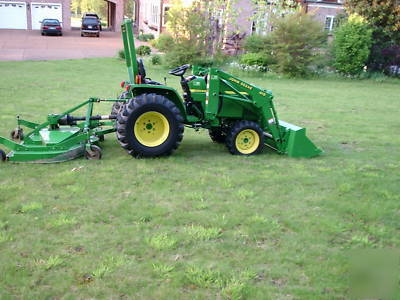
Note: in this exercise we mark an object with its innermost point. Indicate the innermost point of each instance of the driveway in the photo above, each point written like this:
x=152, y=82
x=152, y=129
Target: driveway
x=30, y=45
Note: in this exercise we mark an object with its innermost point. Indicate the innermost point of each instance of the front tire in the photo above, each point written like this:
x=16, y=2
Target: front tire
x=245, y=138
x=149, y=125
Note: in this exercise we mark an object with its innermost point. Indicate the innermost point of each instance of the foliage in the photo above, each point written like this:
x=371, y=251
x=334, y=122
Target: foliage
x=255, y=59
x=294, y=42
x=391, y=58
x=121, y=54
x=352, y=46
x=189, y=29
x=257, y=43
x=197, y=32
x=383, y=14
x=384, y=18
x=82, y=6
x=266, y=12
x=145, y=37
x=163, y=43
x=156, y=59
x=143, y=50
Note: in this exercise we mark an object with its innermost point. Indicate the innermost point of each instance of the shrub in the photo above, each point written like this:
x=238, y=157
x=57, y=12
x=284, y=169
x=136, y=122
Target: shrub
x=143, y=50
x=391, y=58
x=156, y=59
x=121, y=54
x=293, y=43
x=352, y=46
x=257, y=43
x=183, y=53
x=145, y=37
x=255, y=59
x=163, y=43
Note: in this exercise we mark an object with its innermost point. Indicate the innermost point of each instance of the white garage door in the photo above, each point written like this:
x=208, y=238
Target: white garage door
x=13, y=15
x=42, y=11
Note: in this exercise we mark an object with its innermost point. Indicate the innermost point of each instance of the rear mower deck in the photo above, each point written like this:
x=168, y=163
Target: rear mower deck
x=61, y=138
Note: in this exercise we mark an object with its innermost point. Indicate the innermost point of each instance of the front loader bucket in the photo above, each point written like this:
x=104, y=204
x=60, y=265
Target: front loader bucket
x=297, y=143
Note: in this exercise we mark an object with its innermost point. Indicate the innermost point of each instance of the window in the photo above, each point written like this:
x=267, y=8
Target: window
x=165, y=14
x=329, y=23
x=155, y=14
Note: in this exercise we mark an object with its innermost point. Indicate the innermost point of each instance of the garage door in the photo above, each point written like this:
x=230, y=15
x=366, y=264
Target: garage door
x=42, y=11
x=13, y=15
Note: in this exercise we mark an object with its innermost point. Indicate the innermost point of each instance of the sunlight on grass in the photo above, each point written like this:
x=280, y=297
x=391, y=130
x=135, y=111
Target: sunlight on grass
x=31, y=207
x=162, y=270
x=198, y=232
x=63, y=220
x=162, y=241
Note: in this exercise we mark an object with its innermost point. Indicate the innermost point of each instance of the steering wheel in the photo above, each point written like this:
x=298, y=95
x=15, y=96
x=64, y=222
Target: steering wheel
x=179, y=71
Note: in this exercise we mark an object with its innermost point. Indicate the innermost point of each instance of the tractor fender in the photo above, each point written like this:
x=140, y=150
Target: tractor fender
x=167, y=92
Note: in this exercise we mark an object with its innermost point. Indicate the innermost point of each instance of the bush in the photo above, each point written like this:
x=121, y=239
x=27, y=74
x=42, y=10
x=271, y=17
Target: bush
x=121, y=54
x=257, y=43
x=156, y=59
x=163, y=43
x=294, y=42
x=352, y=46
x=143, y=50
x=144, y=37
x=255, y=59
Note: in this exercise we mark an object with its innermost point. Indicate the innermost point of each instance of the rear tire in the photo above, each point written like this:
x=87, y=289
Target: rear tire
x=217, y=135
x=119, y=105
x=150, y=125
x=245, y=138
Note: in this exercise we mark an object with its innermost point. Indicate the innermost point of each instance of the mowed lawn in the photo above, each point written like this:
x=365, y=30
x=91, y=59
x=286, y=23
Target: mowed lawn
x=200, y=224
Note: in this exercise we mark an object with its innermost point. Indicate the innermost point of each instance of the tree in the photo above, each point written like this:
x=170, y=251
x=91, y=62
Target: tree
x=294, y=43
x=352, y=45
x=384, y=18
x=383, y=14
x=198, y=30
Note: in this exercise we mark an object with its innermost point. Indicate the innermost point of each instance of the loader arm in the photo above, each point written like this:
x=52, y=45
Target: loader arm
x=257, y=104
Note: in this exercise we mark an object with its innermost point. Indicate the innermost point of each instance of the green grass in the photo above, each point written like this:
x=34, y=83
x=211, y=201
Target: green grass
x=201, y=224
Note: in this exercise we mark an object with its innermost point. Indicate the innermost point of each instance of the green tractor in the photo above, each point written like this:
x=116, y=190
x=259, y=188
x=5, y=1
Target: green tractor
x=149, y=118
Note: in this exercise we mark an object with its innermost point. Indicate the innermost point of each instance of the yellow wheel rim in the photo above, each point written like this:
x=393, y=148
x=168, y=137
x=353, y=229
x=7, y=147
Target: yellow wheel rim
x=151, y=129
x=247, y=141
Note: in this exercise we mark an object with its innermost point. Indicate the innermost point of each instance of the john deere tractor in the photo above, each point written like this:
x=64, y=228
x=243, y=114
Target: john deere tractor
x=149, y=118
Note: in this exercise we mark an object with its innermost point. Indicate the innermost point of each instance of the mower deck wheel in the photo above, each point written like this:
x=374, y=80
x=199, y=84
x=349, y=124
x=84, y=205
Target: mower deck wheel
x=3, y=156
x=17, y=135
x=93, y=153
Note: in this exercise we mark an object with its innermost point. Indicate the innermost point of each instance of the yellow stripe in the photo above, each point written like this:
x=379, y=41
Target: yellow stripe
x=198, y=91
x=233, y=93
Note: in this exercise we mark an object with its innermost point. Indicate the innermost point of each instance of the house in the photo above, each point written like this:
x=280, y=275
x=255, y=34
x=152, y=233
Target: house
x=325, y=11
x=151, y=16
x=27, y=14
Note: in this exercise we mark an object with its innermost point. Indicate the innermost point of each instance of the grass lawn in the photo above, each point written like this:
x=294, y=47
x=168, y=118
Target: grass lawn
x=202, y=223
